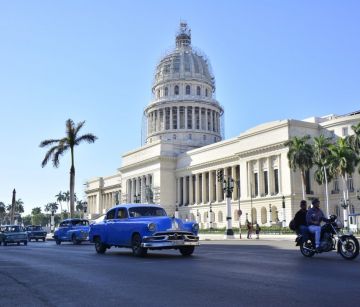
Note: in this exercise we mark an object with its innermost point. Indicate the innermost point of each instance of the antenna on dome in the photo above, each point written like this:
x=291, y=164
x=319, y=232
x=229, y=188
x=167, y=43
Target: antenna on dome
x=183, y=37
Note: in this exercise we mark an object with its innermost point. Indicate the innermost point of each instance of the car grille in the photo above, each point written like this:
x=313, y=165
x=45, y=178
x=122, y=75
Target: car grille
x=173, y=236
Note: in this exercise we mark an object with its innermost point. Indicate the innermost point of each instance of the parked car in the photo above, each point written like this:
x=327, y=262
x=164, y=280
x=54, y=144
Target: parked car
x=13, y=234
x=143, y=227
x=36, y=232
x=74, y=230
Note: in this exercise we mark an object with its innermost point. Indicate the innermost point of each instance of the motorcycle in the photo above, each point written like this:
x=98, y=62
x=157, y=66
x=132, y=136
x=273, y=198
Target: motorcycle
x=331, y=239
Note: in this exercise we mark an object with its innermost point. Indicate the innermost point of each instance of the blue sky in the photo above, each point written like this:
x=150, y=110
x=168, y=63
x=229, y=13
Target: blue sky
x=94, y=61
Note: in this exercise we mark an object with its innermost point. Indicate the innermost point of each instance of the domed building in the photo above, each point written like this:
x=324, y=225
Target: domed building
x=184, y=149
x=184, y=110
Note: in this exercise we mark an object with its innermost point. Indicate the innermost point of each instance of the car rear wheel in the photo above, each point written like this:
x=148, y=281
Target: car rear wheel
x=99, y=246
x=137, y=250
x=187, y=250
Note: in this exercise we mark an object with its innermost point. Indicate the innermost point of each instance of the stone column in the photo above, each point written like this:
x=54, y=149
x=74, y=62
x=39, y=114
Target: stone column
x=206, y=119
x=211, y=186
x=197, y=192
x=171, y=119
x=142, y=190
x=261, y=178
x=185, y=117
x=203, y=188
x=200, y=119
x=133, y=189
x=193, y=118
x=178, y=117
x=218, y=191
x=280, y=175
x=233, y=175
x=270, y=176
x=191, y=191
x=185, y=201
x=178, y=187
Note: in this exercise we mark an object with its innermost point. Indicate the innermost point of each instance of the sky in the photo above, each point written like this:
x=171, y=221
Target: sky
x=95, y=61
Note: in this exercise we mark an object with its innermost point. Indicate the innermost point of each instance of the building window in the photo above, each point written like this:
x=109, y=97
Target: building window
x=350, y=183
x=276, y=181
x=202, y=127
x=176, y=65
x=345, y=131
x=198, y=91
x=187, y=90
x=176, y=90
x=208, y=120
x=174, y=117
x=266, y=183
x=182, y=117
x=206, y=92
x=189, y=117
x=256, y=184
x=197, y=118
x=167, y=118
x=166, y=91
x=174, y=136
x=158, y=94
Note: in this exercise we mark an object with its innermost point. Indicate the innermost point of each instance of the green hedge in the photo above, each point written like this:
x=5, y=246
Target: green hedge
x=264, y=230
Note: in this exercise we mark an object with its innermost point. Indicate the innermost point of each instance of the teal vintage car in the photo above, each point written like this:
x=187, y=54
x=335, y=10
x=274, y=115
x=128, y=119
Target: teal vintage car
x=13, y=234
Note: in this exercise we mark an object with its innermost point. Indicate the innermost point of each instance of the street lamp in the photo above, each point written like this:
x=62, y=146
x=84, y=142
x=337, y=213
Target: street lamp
x=176, y=214
x=137, y=198
x=228, y=187
x=239, y=211
x=52, y=220
x=197, y=217
x=247, y=217
x=85, y=206
x=283, y=206
x=211, y=222
x=345, y=204
x=270, y=213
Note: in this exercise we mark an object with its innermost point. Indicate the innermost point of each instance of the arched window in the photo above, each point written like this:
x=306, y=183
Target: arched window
x=206, y=92
x=176, y=90
x=187, y=90
x=198, y=91
x=166, y=91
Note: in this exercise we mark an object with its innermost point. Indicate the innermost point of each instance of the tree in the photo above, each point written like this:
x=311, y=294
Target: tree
x=60, y=198
x=342, y=162
x=2, y=211
x=322, y=154
x=19, y=206
x=300, y=156
x=36, y=210
x=51, y=207
x=354, y=139
x=60, y=146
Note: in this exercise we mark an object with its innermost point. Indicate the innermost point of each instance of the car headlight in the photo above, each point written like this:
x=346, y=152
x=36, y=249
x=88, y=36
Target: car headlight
x=195, y=227
x=151, y=226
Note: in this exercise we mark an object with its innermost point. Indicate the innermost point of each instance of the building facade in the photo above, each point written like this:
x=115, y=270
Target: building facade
x=184, y=148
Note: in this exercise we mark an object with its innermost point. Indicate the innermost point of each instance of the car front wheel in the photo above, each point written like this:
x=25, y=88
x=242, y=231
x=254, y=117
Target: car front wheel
x=99, y=246
x=137, y=250
x=187, y=250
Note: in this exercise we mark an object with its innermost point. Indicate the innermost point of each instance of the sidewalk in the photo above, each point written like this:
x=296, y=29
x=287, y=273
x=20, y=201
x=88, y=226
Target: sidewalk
x=209, y=237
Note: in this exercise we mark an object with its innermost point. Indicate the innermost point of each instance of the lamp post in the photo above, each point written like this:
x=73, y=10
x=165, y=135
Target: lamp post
x=228, y=187
x=85, y=206
x=247, y=217
x=270, y=215
x=52, y=220
x=283, y=207
x=239, y=210
x=344, y=203
x=176, y=214
x=197, y=217
x=136, y=198
x=211, y=222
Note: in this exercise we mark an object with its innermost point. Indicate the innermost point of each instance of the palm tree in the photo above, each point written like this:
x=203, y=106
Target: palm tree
x=80, y=206
x=36, y=210
x=60, y=198
x=2, y=211
x=343, y=162
x=67, y=199
x=51, y=207
x=300, y=156
x=60, y=146
x=354, y=140
x=321, y=160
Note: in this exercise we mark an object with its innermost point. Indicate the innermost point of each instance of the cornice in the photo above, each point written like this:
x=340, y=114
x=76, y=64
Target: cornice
x=261, y=150
x=136, y=165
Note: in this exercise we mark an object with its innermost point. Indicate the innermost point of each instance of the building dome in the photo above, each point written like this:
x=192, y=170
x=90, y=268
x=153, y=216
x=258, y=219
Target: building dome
x=184, y=110
x=184, y=62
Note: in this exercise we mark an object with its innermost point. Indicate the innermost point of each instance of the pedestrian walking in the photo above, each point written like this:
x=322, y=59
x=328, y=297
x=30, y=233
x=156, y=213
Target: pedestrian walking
x=257, y=230
x=249, y=229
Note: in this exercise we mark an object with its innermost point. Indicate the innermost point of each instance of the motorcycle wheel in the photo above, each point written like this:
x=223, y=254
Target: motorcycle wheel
x=348, y=247
x=307, y=249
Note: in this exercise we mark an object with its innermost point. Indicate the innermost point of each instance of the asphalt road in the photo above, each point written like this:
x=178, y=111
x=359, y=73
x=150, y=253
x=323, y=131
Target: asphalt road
x=246, y=273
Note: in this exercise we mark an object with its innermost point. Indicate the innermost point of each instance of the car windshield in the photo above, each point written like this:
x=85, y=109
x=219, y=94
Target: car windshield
x=32, y=228
x=13, y=229
x=146, y=211
x=80, y=223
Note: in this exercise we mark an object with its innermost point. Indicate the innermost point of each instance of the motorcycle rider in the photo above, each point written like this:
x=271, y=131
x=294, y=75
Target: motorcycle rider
x=300, y=220
x=314, y=217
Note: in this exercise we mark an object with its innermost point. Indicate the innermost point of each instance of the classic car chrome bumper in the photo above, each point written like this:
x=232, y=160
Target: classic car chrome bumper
x=170, y=240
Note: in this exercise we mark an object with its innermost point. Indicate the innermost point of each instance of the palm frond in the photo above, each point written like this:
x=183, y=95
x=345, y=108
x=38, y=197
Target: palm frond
x=89, y=138
x=48, y=155
x=78, y=127
x=48, y=142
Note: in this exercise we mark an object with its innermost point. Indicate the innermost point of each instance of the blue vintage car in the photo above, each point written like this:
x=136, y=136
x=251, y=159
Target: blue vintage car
x=36, y=232
x=13, y=234
x=143, y=227
x=74, y=230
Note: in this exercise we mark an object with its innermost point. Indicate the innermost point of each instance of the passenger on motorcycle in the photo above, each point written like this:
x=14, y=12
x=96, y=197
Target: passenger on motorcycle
x=300, y=220
x=314, y=217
